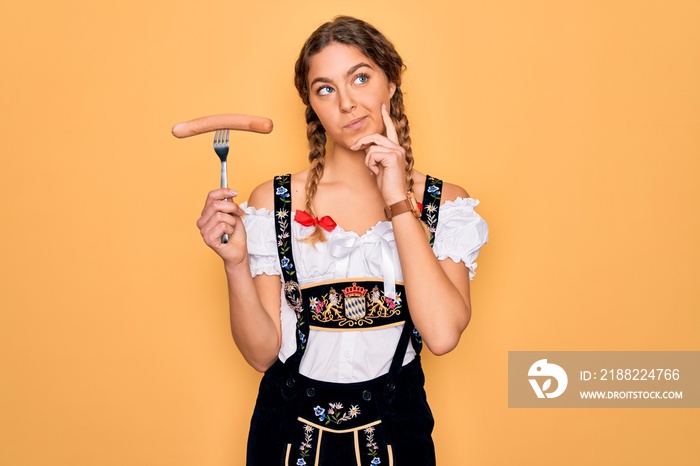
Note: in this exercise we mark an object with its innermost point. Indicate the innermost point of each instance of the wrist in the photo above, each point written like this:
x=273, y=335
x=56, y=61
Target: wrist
x=237, y=266
x=405, y=204
x=395, y=196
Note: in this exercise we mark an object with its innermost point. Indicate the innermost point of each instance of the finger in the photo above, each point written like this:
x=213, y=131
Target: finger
x=389, y=124
x=216, y=206
x=222, y=193
x=374, y=139
x=371, y=163
x=206, y=224
x=214, y=235
x=388, y=156
x=219, y=194
x=216, y=195
x=229, y=207
x=378, y=158
x=216, y=226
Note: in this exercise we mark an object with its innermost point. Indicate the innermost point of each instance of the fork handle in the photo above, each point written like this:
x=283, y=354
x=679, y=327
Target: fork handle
x=224, y=184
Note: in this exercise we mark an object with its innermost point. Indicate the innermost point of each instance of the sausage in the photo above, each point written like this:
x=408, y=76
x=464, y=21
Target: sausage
x=233, y=121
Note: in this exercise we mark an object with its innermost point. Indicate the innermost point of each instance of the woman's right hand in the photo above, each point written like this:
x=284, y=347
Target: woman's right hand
x=222, y=215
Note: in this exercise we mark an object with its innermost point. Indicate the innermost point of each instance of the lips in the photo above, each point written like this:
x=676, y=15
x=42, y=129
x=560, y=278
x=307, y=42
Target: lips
x=356, y=123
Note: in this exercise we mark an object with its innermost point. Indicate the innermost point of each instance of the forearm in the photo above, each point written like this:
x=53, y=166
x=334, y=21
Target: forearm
x=255, y=332
x=439, y=308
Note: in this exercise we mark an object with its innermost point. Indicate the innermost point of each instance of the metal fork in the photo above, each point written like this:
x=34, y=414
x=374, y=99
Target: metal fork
x=221, y=149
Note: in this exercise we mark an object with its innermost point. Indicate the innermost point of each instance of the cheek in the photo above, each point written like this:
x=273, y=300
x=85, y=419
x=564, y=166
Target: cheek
x=321, y=112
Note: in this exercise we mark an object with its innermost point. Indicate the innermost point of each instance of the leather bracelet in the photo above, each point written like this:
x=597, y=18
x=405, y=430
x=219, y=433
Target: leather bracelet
x=404, y=205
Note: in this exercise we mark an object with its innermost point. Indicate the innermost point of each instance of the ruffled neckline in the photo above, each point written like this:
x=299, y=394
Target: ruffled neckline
x=380, y=225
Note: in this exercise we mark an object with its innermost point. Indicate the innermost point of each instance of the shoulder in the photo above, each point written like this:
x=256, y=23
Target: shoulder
x=262, y=197
x=450, y=191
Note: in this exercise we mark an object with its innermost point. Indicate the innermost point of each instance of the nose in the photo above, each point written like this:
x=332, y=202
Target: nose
x=346, y=102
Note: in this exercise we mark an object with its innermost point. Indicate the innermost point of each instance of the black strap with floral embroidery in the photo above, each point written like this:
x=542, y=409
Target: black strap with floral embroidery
x=292, y=292
x=429, y=215
x=431, y=205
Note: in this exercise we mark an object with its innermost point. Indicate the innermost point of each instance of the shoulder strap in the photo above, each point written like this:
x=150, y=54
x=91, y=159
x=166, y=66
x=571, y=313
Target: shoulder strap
x=429, y=215
x=292, y=292
x=283, y=207
x=431, y=204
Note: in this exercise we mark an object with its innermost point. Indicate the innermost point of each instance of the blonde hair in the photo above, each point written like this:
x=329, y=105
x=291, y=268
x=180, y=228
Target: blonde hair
x=355, y=32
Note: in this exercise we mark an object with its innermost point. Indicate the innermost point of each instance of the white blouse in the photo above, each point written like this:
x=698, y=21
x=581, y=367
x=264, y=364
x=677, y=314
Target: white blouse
x=359, y=355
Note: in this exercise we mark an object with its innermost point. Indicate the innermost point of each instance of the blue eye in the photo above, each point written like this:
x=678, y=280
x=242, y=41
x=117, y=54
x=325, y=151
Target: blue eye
x=324, y=90
x=361, y=79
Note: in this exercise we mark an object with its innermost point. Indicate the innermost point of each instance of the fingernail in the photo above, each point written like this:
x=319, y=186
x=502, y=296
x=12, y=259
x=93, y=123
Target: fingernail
x=233, y=192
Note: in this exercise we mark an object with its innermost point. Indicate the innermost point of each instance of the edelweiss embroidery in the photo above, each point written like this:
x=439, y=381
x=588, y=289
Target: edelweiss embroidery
x=372, y=447
x=334, y=415
x=306, y=445
x=431, y=204
x=292, y=292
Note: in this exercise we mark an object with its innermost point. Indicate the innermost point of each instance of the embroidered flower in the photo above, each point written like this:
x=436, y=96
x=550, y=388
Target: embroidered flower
x=320, y=412
x=305, y=447
x=281, y=239
x=315, y=305
x=372, y=448
x=431, y=207
x=301, y=462
x=283, y=213
x=286, y=263
x=302, y=339
x=434, y=190
x=334, y=415
x=376, y=460
x=354, y=411
x=282, y=192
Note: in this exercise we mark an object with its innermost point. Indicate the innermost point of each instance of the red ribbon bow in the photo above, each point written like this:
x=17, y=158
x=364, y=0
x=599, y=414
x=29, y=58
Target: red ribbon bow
x=307, y=220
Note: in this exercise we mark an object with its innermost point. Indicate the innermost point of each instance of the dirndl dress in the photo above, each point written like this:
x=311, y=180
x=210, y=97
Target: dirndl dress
x=305, y=422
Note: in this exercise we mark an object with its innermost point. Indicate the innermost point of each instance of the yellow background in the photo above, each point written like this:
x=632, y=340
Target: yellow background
x=574, y=122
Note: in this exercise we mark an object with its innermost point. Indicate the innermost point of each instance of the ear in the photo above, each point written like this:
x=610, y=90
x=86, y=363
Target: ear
x=392, y=90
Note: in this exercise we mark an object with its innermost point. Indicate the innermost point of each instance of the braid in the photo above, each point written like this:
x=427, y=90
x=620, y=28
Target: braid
x=403, y=132
x=316, y=135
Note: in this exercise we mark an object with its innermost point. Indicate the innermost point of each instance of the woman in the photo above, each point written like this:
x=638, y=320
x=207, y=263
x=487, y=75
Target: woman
x=350, y=274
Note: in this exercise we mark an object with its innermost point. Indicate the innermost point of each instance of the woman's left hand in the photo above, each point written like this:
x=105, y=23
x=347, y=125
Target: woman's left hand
x=386, y=159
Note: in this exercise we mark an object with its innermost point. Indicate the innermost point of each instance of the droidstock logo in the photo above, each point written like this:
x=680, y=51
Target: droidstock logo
x=544, y=371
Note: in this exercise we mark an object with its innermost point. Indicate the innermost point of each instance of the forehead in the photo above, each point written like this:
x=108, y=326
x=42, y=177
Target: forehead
x=334, y=60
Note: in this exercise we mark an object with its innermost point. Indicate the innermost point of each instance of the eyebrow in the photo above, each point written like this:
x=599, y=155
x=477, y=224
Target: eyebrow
x=349, y=72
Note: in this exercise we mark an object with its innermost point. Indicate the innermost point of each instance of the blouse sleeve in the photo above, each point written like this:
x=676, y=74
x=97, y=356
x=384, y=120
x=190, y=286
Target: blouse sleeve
x=460, y=232
x=262, y=241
